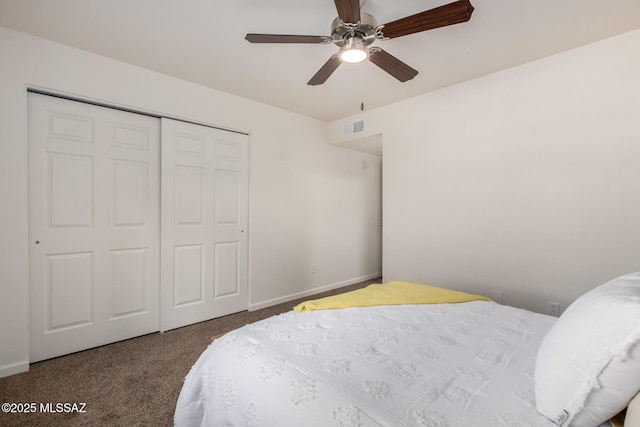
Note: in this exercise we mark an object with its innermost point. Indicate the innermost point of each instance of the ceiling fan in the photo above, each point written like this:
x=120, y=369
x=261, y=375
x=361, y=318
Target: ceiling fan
x=353, y=31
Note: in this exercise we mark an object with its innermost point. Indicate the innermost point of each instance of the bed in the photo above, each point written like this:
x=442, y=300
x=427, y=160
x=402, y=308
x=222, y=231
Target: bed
x=469, y=363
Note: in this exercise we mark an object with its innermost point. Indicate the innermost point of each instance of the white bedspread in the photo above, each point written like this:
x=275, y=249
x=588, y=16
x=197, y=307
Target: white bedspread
x=468, y=364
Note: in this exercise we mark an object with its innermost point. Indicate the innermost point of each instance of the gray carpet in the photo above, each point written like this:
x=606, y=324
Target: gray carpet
x=130, y=383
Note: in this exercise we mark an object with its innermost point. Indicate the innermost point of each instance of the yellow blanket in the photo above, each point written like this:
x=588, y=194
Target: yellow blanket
x=392, y=293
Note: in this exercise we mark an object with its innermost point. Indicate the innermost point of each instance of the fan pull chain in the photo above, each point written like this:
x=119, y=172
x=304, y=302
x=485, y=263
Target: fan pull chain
x=362, y=85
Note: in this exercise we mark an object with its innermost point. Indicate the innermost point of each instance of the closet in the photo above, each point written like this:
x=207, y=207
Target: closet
x=137, y=224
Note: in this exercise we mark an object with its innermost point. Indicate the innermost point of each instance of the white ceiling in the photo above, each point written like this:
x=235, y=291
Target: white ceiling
x=203, y=41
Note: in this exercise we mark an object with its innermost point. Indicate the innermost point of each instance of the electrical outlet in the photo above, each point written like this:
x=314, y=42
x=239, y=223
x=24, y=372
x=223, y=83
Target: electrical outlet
x=313, y=268
x=553, y=309
x=497, y=296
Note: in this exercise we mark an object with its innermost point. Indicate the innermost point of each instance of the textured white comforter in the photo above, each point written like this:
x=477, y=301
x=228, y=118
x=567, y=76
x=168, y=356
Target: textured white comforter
x=468, y=364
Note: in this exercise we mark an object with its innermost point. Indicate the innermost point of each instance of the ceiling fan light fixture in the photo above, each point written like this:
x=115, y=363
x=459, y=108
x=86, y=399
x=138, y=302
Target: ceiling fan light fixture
x=354, y=30
x=354, y=51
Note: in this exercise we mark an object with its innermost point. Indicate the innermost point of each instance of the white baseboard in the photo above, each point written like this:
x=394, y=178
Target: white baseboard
x=14, y=368
x=291, y=297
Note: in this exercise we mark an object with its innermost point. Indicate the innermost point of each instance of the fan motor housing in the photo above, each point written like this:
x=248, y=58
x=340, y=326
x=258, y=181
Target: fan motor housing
x=365, y=30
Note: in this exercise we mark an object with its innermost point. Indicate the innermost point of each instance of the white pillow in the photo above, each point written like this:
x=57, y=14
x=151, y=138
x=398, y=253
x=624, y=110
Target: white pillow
x=588, y=365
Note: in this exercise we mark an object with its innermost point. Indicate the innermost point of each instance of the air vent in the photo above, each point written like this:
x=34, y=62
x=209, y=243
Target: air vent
x=354, y=127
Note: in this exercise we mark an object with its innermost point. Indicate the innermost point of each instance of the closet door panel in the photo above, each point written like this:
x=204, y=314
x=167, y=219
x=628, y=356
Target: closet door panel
x=204, y=223
x=93, y=224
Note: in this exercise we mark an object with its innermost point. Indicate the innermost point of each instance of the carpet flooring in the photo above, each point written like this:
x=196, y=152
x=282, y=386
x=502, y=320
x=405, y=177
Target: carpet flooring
x=129, y=383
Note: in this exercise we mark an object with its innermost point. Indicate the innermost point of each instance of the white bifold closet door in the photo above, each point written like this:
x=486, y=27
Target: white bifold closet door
x=125, y=239
x=204, y=254
x=94, y=225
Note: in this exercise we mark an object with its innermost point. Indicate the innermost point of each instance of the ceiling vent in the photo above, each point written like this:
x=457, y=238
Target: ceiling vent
x=354, y=127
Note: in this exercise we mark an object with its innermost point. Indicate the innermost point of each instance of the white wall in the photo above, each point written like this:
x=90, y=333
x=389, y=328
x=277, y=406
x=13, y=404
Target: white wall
x=310, y=202
x=525, y=181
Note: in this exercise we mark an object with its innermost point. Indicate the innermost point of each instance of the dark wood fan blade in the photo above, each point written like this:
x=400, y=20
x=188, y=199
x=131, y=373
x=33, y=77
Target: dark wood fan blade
x=325, y=71
x=392, y=65
x=348, y=10
x=286, y=38
x=449, y=14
